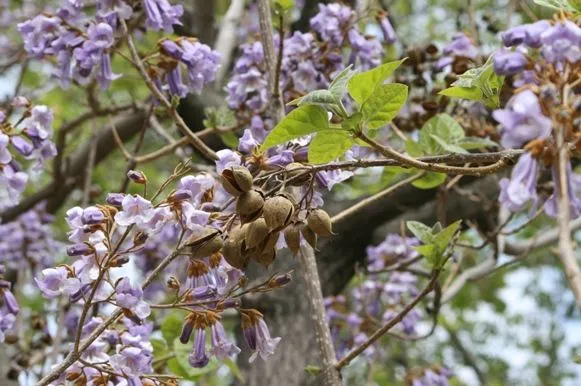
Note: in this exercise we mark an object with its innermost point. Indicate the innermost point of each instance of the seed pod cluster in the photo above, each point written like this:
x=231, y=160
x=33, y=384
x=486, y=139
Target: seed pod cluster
x=205, y=243
x=319, y=222
x=250, y=241
x=249, y=205
x=237, y=180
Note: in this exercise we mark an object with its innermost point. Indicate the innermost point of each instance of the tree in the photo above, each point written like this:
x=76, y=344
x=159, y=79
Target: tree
x=335, y=194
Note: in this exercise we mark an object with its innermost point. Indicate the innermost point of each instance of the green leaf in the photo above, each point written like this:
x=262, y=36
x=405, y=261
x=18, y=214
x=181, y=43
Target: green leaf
x=363, y=85
x=421, y=231
x=384, y=104
x=338, y=86
x=413, y=148
x=159, y=347
x=313, y=370
x=472, y=93
x=329, y=145
x=443, y=239
x=449, y=147
x=428, y=251
x=172, y=327
x=229, y=139
x=556, y=4
x=430, y=180
x=284, y=5
x=470, y=143
x=318, y=97
x=301, y=121
x=353, y=121
x=445, y=128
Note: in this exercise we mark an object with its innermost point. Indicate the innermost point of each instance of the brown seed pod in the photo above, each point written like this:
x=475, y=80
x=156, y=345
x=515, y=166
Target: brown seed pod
x=270, y=241
x=257, y=233
x=277, y=212
x=236, y=180
x=292, y=236
x=294, y=170
x=207, y=242
x=249, y=205
x=266, y=258
x=320, y=222
x=233, y=255
x=310, y=236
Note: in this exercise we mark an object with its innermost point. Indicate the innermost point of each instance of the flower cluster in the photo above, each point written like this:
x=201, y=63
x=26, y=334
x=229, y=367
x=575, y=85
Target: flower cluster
x=28, y=138
x=28, y=241
x=528, y=119
x=377, y=299
x=9, y=307
x=199, y=59
x=434, y=376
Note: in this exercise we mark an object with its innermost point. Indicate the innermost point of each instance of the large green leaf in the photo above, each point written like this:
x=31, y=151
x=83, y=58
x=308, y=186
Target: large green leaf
x=384, y=104
x=338, y=86
x=557, y=4
x=363, y=85
x=172, y=327
x=436, y=241
x=301, y=121
x=445, y=129
x=329, y=145
x=421, y=231
x=317, y=97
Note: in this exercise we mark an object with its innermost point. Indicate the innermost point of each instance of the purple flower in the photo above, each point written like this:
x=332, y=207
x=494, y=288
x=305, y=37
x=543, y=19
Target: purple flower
x=562, y=43
x=132, y=361
x=7, y=321
x=136, y=210
x=5, y=156
x=461, y=45
x=198, y=357
x=521, y=189
x=529, y=34
x=8, y=301
x=21, y=145
x=115, y=199
x=368, y=51
x=391, y=250
x=161, y=15
x=222, y=347
x=328, y=179
x=280, y=159
x=552, y=206
x=226, y=159
x=509, y=62
x=195, y=219
x=56, y=281
x=197, y=185
x=522, y=120
x=92, y=216
x=247, y=142
x=331, y=22
x=100, y=35
x=202, y=63
x=258, y=337
x=131, y=298
x=389, y=35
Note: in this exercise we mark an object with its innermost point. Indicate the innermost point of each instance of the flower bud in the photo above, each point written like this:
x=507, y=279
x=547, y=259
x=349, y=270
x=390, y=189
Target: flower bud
x=249, y=205
x=280, y=280
x=236, y=180
x=187, y=329
x=92, y=216
x=179, y=195
x=81, y=249
x=139, y=239
x=115, y=199
x=309, y=236
x=277, y=212
x=257, y=233
x=292, y=236
x=137, y=176
x=206, y=243
x=173, y=283
x=320, y=222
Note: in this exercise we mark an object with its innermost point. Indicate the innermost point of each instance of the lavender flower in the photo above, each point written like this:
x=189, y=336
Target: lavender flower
x=198, y=357
x=226, y=159
x=136, y=210
x=521, y=189
x=509, y=62
x=222, y=347
x=331, y=22
x=551, y=206
x=133, y=362
x=522, y=120
x=390, y=251
x=562, y=43
x=131, y=298
x=529, y=34
x=257, y=336
x=56, y=281
x=161, y=15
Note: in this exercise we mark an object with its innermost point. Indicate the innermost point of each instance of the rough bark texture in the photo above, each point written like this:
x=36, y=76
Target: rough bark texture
x=287, y=310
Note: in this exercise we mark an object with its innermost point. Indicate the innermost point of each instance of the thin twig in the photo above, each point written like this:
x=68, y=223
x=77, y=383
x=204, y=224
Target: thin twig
x=390, y=324
x=195, y=141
